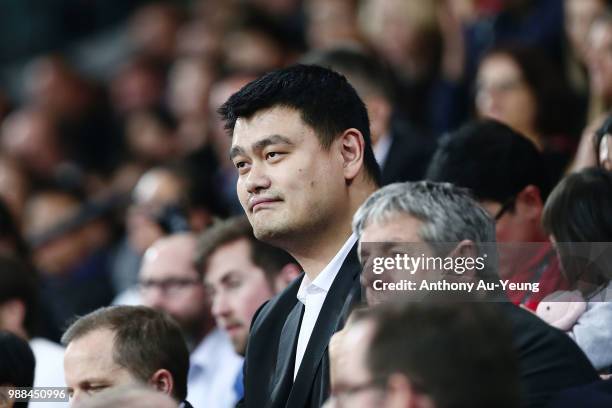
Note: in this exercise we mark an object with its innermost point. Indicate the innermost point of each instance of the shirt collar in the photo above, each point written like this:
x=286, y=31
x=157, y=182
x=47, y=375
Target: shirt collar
x=204, y=354
x=324, y=280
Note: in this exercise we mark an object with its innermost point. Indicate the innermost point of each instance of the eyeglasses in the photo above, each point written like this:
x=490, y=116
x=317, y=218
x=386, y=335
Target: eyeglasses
x=506, y=206
x=170, y=287
x=339, y=398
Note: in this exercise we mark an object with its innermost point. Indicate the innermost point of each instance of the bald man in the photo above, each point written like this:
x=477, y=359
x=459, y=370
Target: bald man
x=169, y=282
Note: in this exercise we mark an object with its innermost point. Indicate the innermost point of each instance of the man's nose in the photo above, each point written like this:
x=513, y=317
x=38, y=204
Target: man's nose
x=257, y=179
x=220, y=306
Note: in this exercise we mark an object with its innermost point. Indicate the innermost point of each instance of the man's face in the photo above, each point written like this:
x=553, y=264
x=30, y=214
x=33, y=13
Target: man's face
x=352, y=384
x=89, y=366
x=237, y=288
x=288, y=184
x=170, y=283
x=385, y=239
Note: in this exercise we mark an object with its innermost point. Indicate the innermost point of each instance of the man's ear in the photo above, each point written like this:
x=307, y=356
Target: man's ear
x=352, y=147
x=162, y=381
x=465, y=249
x=529, y=203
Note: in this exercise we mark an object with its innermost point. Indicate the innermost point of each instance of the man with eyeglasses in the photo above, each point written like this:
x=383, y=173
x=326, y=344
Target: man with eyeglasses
x=169, y=282
x=422, y=355
x=509, y=177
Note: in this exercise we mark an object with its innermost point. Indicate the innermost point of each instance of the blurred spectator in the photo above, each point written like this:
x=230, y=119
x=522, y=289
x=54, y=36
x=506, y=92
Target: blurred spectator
x=508, y=176
x=254, y=45
x=521, y=88
x=423, y=42
x=138, y=84
x=577, y=216
x=153, y=30
x=32, y=138
x=402, y=151
x=16, y=367
x=14, y=187
x=169, y=282
x=579, y=15
x=129, y=397
x=20, y=314
x=189, y=84
x=436, y=213
x=392, y=357
x=166, y=199
x=151, y=136
x=80, y=108
x=600, y=65
x=69, y=244
x=240, y=273
x=125, y=345
x=332, y=24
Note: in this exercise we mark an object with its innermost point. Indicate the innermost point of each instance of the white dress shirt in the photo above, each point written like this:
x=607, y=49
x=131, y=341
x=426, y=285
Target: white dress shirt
x=49, y=371
x=312, y=294
x=213, y=367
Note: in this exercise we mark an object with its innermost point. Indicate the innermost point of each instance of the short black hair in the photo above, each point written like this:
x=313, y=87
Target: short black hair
x=458, y=353
x=270, y=259
x=17, y=363
x=324, y=98
x=491, y=159
x=146, y=340
x=19, y=281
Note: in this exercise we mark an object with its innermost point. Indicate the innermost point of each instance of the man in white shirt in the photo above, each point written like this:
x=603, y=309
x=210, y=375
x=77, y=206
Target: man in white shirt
x=301, y=144
x=169, y=282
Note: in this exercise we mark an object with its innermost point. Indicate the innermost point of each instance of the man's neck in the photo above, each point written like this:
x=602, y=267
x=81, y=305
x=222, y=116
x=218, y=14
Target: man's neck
x=316, y=252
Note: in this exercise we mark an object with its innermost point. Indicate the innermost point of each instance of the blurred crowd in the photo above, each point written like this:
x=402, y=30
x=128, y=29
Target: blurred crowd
x=113, y=157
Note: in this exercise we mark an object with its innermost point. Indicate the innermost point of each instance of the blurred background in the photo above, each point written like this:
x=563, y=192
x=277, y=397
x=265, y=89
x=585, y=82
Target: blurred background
x=109, y=137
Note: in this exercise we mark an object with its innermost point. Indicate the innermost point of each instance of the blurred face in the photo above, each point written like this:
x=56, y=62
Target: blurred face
x=600, y=59
x=288, y=184
x=170, y=283
x=237, y=288
x=502, y=94
x=353, y=385
x=89, y=366
x=45, y=212
x=579, y=15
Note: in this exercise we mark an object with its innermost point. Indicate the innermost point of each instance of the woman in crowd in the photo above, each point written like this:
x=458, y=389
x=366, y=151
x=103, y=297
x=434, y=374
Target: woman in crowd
x=578, y=219
x=518, y=86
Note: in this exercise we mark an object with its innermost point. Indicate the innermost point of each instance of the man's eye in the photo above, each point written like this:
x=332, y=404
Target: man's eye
x=240, y=165
x=272, y=155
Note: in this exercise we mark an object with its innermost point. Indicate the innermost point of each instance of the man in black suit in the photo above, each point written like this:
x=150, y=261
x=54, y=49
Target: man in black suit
x=301, y=144
x=442, y=220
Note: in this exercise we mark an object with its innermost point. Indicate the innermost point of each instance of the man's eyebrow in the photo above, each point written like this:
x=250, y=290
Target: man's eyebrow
x=271, y=140
x=235, y=151
x=261, y=144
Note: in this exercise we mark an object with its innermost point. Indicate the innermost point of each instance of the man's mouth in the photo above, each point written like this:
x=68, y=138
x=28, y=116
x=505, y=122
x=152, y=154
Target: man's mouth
x=259, y=203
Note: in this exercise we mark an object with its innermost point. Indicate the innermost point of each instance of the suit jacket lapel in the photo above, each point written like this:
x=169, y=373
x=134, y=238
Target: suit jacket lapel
x=285, y=360
x=329, y=321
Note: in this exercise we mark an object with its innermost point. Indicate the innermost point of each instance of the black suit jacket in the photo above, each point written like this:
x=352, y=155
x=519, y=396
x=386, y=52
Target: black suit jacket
x=549, y=360
x=270, y=354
